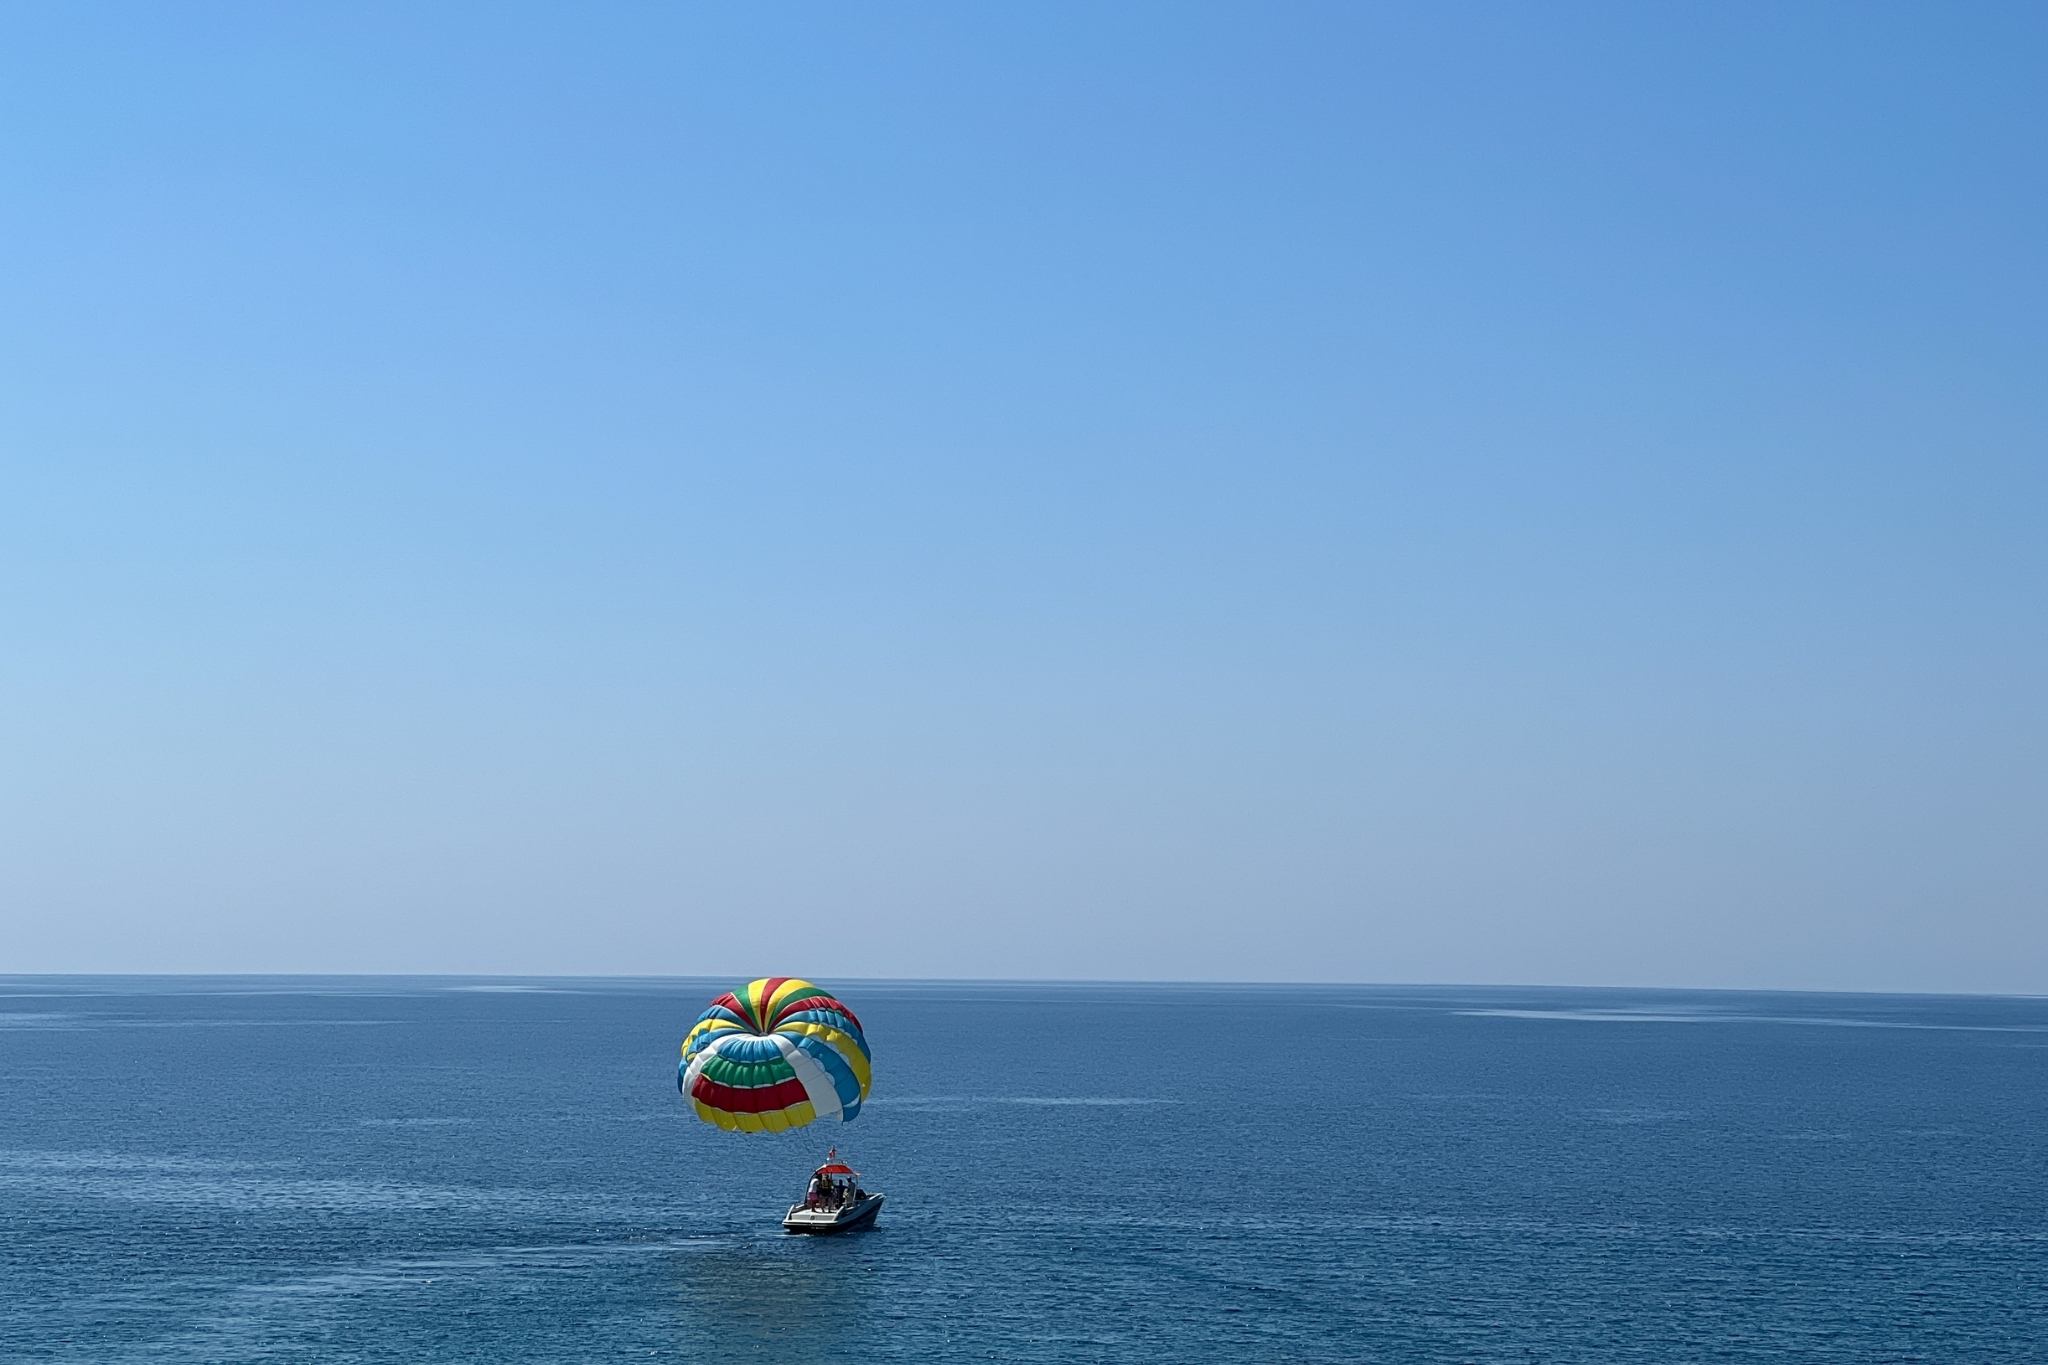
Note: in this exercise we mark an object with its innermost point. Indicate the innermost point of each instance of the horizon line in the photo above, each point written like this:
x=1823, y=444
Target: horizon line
x=1006, y=981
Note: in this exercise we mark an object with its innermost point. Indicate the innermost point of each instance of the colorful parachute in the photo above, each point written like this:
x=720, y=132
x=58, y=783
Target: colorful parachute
x=774, y=1055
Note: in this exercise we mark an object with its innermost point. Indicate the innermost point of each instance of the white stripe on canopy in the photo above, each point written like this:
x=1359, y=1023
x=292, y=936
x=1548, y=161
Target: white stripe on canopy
x=817, y=1083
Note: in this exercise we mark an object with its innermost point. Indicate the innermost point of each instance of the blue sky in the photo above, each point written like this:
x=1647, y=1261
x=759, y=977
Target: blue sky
x=1441, y=493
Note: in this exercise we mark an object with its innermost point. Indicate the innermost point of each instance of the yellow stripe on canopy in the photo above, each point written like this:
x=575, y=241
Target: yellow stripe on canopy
x=793, y=989
x=841, y=1043
x=703, y=1029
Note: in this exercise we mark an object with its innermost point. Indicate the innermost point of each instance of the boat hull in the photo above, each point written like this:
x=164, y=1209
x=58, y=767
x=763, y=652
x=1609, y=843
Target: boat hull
x=818, y=1222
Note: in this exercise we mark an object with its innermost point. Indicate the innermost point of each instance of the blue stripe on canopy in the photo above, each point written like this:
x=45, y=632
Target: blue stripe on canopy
x=843, y=1079
x=833, y=1019
x=746, y=1048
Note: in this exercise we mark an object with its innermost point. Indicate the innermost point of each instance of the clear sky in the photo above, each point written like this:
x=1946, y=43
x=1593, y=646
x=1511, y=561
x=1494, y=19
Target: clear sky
x=1392, y=493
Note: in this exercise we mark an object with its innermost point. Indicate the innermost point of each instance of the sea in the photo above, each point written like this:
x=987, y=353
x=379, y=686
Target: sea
x=437, y=1170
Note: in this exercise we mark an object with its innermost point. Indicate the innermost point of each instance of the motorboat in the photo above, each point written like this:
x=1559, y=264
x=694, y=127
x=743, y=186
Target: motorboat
x=834, y=1201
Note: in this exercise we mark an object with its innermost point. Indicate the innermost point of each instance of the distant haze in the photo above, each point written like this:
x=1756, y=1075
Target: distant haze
x=1425, y=493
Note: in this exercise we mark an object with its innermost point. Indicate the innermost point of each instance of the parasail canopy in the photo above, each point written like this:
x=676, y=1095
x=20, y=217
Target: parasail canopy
x=776, y=1054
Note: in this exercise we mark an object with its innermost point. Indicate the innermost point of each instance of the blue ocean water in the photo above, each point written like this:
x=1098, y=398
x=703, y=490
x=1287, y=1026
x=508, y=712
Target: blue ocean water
x=445, y=1170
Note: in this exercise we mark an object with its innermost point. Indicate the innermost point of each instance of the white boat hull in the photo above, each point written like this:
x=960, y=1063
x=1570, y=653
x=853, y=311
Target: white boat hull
x=860, y=1215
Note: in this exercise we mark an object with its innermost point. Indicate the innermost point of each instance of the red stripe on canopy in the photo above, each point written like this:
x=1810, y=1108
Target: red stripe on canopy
x=731, y=1000
x=769, y=986
x=756, y=1099
x=820, y=1001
